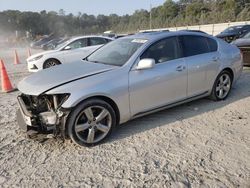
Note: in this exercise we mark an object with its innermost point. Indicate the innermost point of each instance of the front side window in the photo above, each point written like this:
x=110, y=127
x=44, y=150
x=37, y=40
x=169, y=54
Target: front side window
x=97, y=41
x=163, y=50
x=117, y=52
x=194, y=45
x=80, y=43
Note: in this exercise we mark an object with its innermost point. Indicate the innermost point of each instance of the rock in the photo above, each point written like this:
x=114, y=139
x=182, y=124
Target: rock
x=2, y=179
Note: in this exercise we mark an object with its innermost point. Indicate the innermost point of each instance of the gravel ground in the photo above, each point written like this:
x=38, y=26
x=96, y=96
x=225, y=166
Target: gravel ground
x=199, y=144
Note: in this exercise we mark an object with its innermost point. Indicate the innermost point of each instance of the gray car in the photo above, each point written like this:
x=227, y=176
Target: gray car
x=125, y=79
x=244, y=45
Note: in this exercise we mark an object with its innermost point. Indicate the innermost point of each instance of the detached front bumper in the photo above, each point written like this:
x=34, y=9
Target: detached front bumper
x=44, y=123
x=21, y=120
x=27, y=121
x=24, y=117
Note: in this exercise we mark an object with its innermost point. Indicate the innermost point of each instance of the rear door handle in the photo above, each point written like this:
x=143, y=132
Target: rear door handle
x=180, y=68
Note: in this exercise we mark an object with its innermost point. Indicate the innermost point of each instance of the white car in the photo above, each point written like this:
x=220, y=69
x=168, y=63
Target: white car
x=72, y=50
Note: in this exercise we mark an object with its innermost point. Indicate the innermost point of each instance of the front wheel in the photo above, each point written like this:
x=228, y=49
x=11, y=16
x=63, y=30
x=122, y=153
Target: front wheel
x=91, y=122
x=222, y=86
x=50, y=63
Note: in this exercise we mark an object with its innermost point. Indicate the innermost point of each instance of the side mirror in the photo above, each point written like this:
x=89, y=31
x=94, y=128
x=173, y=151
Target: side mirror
x=67, y=48
x=145, y=64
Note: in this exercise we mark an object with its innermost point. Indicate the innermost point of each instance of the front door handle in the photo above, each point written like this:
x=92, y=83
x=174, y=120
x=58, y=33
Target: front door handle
x=180, y=68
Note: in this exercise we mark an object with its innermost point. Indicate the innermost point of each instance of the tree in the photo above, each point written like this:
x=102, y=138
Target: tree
x=170, y=13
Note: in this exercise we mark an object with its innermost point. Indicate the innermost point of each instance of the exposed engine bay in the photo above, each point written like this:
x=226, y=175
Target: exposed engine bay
x=43, y=114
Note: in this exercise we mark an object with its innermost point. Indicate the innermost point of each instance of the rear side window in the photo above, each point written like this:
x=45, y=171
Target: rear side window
x=194, y=45
x=213, y=46
x=163, y=50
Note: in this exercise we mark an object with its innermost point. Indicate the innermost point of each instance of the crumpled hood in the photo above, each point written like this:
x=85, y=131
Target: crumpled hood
x=53, y=77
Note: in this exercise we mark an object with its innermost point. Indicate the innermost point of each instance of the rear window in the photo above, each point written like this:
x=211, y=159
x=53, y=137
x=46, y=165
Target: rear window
x=194, y=45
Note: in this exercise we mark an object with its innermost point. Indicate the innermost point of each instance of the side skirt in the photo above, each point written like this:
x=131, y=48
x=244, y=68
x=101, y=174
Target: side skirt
x=140, y=114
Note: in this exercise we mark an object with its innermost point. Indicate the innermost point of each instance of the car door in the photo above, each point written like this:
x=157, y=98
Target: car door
x=200, y=61
x=75, y=51
x=163, y=84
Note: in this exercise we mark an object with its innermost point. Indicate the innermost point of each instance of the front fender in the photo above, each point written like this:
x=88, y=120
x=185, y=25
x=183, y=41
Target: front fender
x=112, y=85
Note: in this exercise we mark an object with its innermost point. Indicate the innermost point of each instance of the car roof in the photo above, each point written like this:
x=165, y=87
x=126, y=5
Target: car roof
x=238, y=26
x=193, y=30
x=159, y=35
x=87, y=36
x=68, y=41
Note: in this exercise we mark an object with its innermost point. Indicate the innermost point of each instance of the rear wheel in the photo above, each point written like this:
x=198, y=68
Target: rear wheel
x=222, y=86
x=91, y=122
x=50, y=63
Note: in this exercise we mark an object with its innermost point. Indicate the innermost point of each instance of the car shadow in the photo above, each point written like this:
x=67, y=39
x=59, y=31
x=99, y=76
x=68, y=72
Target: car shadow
x=240, y=91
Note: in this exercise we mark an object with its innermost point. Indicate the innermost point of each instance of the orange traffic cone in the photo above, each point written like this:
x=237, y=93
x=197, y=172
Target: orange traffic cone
x=16, y=61
x=29, y=53
x=6, y=84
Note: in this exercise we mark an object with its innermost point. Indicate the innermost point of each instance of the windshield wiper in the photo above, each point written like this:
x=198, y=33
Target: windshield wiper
x=97, y=62
x=85, y=59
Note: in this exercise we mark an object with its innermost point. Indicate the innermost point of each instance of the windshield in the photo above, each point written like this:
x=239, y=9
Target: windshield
x=232, y=29
x=117, y=52
x=61, y=44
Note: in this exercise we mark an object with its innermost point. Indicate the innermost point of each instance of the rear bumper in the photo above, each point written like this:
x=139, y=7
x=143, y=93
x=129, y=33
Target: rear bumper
x=246, y=55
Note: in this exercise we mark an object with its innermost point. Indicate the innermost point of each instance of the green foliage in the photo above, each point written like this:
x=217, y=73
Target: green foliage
x=171, y=13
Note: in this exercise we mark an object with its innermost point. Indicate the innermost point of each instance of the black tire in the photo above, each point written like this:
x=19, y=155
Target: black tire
x=50, y=63
x=79, y=118
x=215, y=94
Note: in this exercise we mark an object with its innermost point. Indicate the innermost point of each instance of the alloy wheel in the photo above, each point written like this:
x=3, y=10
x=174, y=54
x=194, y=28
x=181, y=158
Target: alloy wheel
x=223, y=86
x=93, y=124
x=50, y=64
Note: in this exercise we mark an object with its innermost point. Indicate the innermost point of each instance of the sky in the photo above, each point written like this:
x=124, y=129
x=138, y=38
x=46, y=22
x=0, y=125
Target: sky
x=94, y=7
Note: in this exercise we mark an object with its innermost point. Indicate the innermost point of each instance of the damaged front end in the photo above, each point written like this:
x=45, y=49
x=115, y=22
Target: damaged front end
x=42, y=114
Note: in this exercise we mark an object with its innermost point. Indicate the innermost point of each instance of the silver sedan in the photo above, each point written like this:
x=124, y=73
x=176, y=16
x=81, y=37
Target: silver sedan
x=125, y=79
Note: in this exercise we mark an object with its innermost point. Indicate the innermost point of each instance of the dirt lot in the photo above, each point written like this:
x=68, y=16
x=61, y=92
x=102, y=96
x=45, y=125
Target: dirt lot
x=200, y=144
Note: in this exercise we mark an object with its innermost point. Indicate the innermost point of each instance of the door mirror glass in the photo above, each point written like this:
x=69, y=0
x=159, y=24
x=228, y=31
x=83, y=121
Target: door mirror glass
x=145, y=64
x=67, y=48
